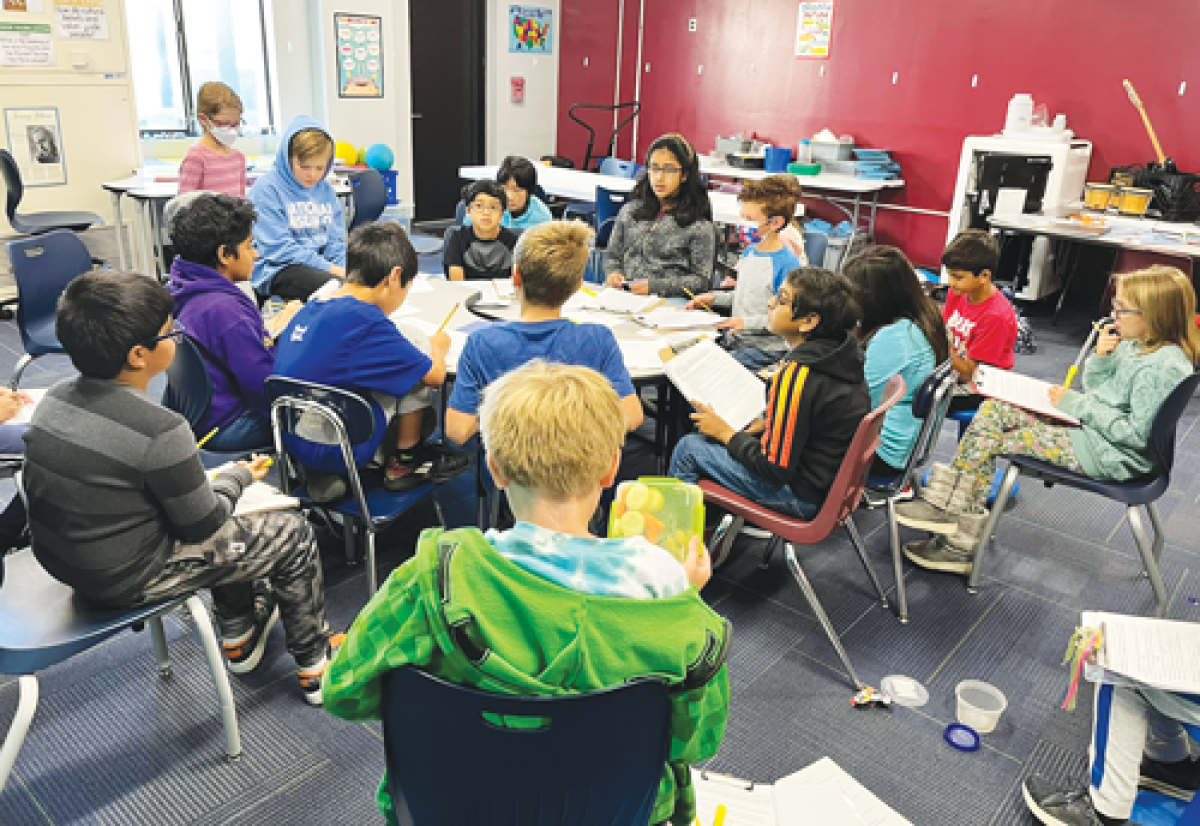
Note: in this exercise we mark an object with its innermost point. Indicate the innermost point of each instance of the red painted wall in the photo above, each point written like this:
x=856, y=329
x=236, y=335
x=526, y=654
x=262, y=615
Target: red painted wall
x=1071, y=56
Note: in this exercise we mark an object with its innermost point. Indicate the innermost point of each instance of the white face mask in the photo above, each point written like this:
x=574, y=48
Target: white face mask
x=225, y=135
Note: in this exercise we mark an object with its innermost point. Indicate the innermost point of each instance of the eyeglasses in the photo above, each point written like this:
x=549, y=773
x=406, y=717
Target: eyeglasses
x=665, y=170
x=782, y=299
x=487, y=209
x=177, y=333
x=1119, y=311
x=240, y=123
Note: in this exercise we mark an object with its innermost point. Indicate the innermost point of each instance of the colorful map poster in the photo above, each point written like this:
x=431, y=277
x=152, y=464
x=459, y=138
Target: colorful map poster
x=815, y=29
x=359, y=41
x=529, y=30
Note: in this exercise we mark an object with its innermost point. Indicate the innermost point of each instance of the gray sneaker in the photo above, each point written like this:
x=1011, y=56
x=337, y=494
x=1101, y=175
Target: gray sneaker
x=1055, y=807
x=936, y=554
x=924, y=516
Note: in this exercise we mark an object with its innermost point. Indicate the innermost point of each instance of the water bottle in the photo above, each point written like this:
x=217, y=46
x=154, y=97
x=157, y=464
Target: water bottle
x=804, y=155
x=1020, y=113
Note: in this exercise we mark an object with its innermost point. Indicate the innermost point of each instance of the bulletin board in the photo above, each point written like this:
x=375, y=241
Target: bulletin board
x=67, y=30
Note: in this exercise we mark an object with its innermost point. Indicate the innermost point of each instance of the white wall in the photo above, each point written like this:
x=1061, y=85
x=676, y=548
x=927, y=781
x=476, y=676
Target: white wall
x=529, y=128
x=96, y=114
x=361, y=121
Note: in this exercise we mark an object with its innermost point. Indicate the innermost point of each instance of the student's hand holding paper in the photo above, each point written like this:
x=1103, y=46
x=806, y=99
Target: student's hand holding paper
x=258, y=466
x=734, y=325
x=710, y=424
x=698, y=564
x=1056, y=394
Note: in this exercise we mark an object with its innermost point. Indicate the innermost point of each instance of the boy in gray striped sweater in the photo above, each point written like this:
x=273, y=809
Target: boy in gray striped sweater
x=120, y=507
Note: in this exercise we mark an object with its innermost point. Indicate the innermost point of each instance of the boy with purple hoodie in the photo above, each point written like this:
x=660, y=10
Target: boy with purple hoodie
x=214, y=247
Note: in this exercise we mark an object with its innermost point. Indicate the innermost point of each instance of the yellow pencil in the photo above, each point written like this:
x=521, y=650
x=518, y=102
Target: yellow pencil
x=211, y=433
x=453, y=310
x=719, y=820
x=692, y=296
x=1070, y=376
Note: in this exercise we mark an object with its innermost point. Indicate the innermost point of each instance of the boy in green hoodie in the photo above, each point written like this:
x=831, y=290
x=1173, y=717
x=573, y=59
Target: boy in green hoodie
x=544, y=591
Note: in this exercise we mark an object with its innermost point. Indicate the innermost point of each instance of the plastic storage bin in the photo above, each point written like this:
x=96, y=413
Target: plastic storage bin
x=777, y=158
x=841, y=249
x=979, y=705
x=832, y=151
x=667, y=512
x=391, y=182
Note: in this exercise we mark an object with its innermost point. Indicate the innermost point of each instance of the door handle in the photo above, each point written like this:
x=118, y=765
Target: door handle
x=417, y=116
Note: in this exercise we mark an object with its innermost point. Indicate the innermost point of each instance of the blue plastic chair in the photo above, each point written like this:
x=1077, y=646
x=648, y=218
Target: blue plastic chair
x=815, y=244
x=43, y=267
x=370, y=508
x=929, y=403
x=596, y=759
x=36, y=223
x=1133, y=494
x=189, y=393
x=43, y=623
x=369, y=196
x=608, y=204
x=585, y=211
x=619, y=168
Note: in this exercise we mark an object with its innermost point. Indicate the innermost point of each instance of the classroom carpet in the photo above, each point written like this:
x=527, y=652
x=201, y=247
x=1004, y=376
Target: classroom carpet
x=112, y=743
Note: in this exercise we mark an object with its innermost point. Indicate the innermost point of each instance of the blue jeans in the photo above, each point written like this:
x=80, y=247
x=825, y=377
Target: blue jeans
x=247, y=431
x=756, y=358
x=697, y=457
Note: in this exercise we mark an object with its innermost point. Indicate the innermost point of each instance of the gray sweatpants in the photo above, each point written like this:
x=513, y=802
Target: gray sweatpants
x=1129, y=723
x=278, y=546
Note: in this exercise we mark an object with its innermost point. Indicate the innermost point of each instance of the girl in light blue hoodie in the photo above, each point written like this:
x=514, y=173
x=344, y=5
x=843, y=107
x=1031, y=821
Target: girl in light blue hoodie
x=300, y=235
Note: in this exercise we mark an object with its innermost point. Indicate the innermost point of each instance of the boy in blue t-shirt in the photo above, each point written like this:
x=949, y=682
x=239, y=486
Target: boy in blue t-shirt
x=348, y=341
x=767, y=208
x=547, y=270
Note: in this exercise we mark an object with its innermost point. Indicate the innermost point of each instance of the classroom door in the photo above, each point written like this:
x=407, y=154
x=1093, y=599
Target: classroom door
x=447, y=99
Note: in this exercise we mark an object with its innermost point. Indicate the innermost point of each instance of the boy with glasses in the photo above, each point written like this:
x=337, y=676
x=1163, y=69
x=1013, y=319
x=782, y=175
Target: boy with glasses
x=484, y=249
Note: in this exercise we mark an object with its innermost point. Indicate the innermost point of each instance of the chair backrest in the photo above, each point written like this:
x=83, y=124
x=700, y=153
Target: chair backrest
x=815, y=244
x=586, y=759
x=12, y=182
x=370, y=196
x=189, y=385
x=608, y=204
x=930, y=402
x=460, y=213
x=847, y=488
x=1166, y=422
x=43, y=266
x=618, y=168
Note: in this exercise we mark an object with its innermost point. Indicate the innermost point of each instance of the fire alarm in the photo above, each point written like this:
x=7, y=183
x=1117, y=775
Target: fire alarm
x=518, y=89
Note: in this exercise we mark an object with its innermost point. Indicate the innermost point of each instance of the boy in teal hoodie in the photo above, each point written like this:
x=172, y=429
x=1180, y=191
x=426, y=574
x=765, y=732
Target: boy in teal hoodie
x=552, y=607
x=301, y=231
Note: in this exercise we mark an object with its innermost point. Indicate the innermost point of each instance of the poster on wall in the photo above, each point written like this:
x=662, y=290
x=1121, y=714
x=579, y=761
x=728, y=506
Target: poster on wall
x=35, y=141
x=81, y=19
x=814, y=32
x=359, y=43
x=26, y=44
x=529, y=31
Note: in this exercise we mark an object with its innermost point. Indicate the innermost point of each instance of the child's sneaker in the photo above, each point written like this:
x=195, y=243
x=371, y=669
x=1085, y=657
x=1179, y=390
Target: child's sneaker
x=1180, y=780
x=310, y=677
x=424, y=464
x=244, y=654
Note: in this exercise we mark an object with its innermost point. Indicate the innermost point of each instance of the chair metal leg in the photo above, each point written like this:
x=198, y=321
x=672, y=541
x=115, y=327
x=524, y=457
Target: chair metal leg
x=26, y=706
x=494, y=509
x=772, y=547
x=348, y=534
x=897, y=560
x=1160, y=536
x=989, y=530
x=19, y=370
x=372, y=575
x=721, y=542
x=158, y=638
x=1149, y=561
x=216, y=664
x=856, y=541
x=789, y=553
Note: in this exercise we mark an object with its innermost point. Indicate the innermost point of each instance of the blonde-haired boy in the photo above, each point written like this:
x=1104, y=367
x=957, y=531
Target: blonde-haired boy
x=548, y=267
x=534, y=593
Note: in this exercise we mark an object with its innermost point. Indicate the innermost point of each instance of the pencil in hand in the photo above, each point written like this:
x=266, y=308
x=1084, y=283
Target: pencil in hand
x=700, y=303
x=453, y=310
x=211, y=433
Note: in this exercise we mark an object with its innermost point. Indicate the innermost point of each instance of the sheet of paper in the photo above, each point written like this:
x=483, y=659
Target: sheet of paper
x=708, y=374
x=259, y=497
x=1022, y=391
x=426, y=327
x=489, y=295
x=25, y=414
x=420, y=284
x=458, y=340
x=642, y=355
x=1159, y=653
x=405, y=311
x=609, y=320
x=679, y=319
x=1010, y=201
x=504, y=288
x=825, y=793
x=327, y=289
x=746, y=804
x=618, y=301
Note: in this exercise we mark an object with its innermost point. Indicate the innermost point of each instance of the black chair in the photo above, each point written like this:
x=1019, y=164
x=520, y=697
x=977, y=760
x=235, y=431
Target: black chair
x=611, y=148
x=189, y=393
x=35, y=223
x=43, y=623
x=369, y=509
x=369, y=196
x=929, y=403
x=594, y=759
x=1133, y=494
x=43, y=267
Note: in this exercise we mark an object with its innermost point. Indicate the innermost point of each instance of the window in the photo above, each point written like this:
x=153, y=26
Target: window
x=179, y=45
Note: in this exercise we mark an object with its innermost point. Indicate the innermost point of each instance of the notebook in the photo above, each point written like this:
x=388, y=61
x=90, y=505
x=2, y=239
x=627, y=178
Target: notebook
x=1022, y=391
x=614, y=301
x=707, y=374
x=259, y=497
x=1154, y=652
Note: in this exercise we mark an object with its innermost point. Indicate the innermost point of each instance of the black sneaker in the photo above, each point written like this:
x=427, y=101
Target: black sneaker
x=1179, y=780
x=324, y=488
x=426, y=464
x=244, y=655
x=1054, y=807
x=311, y=676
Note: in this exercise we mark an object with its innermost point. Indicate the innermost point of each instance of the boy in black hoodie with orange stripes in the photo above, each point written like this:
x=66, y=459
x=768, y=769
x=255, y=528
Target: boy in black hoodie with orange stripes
x=815, y=401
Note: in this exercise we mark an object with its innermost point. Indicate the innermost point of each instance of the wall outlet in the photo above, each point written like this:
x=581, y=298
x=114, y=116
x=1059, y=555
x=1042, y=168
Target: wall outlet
x=692, y=23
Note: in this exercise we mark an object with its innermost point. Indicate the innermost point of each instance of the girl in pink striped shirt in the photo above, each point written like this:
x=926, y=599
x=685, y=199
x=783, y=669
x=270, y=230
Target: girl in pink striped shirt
x=212, y=164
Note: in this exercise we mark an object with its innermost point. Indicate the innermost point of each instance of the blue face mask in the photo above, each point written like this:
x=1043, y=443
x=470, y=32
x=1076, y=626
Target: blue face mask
x=749, y=232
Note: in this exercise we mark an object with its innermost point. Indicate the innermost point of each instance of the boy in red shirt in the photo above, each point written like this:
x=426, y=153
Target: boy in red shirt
x=981, y=322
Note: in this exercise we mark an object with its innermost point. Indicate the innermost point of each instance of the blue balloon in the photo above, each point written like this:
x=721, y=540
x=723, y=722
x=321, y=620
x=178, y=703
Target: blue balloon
x=379, y=157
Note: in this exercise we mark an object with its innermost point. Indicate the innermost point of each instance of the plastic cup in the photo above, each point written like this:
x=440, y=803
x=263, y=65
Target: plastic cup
x=980, y=705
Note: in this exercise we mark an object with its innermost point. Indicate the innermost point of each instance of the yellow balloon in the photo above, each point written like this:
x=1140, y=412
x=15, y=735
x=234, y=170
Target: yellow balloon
x=345, y=154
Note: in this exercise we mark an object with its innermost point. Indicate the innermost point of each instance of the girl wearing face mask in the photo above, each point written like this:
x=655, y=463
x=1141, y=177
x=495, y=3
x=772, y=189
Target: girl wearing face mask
x=212, y=164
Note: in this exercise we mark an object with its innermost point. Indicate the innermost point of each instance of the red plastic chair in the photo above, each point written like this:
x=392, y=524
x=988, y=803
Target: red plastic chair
x=838, y=510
